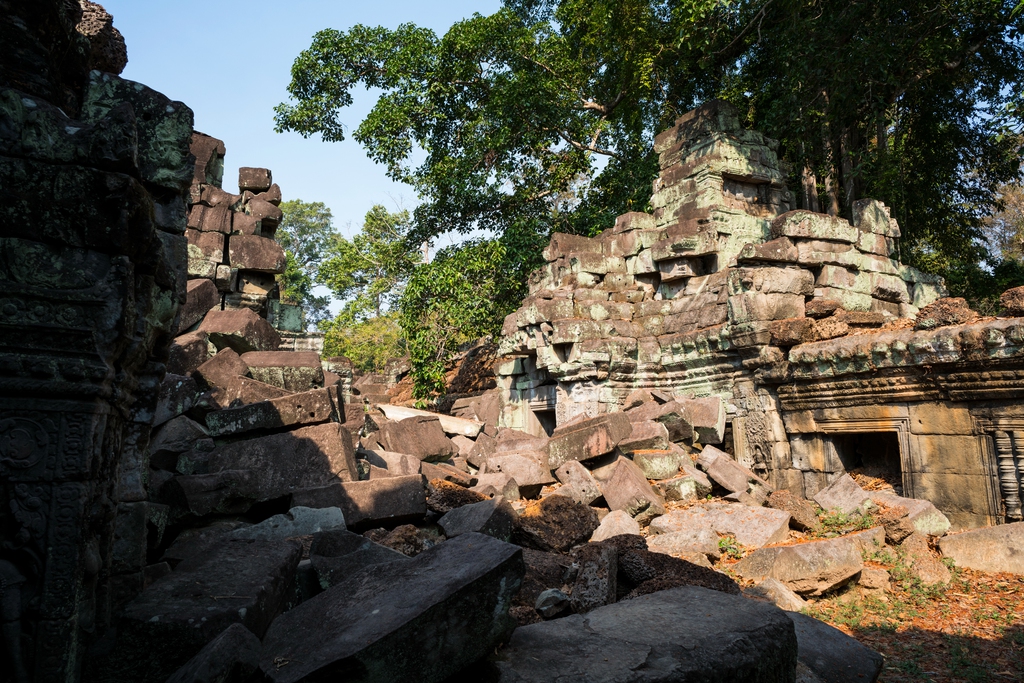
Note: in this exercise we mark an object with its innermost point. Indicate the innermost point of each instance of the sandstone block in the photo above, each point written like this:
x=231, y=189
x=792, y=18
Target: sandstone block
x=498, y=484
x=679, y=488
x=308, y=407
x=205, y=252
x=188, y=352
x=814, y=226
x=778, y=250
x=254, y=179
x=811, y=568
x=750, y=526
x=707, y=416
x=671, y=414
x=337, y=555
x=992, y=549
x=177, y=436
x=298, y=521
x=421, y=436
x=658, y=464
x=577, y=482
x=178, y=393
x=920, y=515
x=755, y=306
x=646, y=436
x=587, y=439
x=221, y=371
x=1013, y=301
x=831, y=655
x=241, y=330
x=845, y=496
x=378, y=502
x=695, y=540
x=237, y=391
x=802, y=514
x=595, y=584
x=615, y=523
x=291, y=370
x=451, y=425
x=201, y=296
x=627, y=489
x=528, y=468
x=777, y=593
x=537, y=653
x=234, y=655
x=555, y=523
x=729, y=474
x=443, y=610
x=494, y=518
x=253, y=252
x=444, y=496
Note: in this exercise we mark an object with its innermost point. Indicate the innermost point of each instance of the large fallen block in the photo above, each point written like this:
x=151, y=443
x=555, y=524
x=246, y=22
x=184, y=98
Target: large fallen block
x=338, y=555
x=421, y=620
x=627, y=489
x=845, y=496
x=493, y=517
x=831, y=655
x=992, y=549
x=372, y=503
x=528, y=468
x=670, y=414
x=308, y=407
x=421, y=436
x=452, y=426
x=809, y=568
x=556, y=523
x=232, y=656
x=291, y=370
x=750, y=526
x=730, y=475
x=200, y=297
x=240, y=329
x=921, y=515
x=706, y=416
x=729, y=638
x=587, y=439
x=235, y=582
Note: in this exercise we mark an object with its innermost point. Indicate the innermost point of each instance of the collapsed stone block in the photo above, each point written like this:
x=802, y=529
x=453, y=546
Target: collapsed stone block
x=528, y=468
x=254, y=179
x=706, y=416
x=595, y=584
x=372, y=503
x=221, y=371
x=615, y=523
x=587, y=439
x=201, y=296
x=493, y=517
x=234, y=655
x=188, y=352
x=845, y=496
x=338, y=555
x=555, y=523
x=628, y=489
x=750, y=526
x=811, y=568
x=577, y=482
x=291, y=370
x=993, y=549
x=646, y=436
x=421, y=436
x=696, y=540
x=308, y=407
x=241, y=330
x=420, y=620
x=658, y=464
x=671, y=414
x=729, y=474
x=830, y=655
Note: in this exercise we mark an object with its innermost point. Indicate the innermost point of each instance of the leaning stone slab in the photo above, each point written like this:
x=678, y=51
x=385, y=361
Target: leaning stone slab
x=253, y=252
x=493, y=517
x=201, y=296
x=845, y=496
x=657, y=638
x=832, y=655
x=810, y=568
x=596, y=582
x=232, y=656
x=615, y=523
x=700, y=540
x=291, y=370
x=992, y=549
x=421, y=620
x=646, y=436
x=587, y=439
x=670, y=414
x=235, y=582
x=627, y=489
x=338, y=555
x=922, y=516
x=751, y=526
x=241, y=329
x=308, y=407
x=299, y=521
x=452, y=426
x=729, y=474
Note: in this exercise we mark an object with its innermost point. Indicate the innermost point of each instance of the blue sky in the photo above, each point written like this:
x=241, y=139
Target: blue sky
x=230, y=61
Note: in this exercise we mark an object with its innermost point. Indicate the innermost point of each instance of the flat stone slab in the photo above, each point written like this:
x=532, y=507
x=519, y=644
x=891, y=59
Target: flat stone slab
x=659, y=637
x=806, y=568
x=751, y=526
x=375, y=502
x=832, y=655
x=844, y=495
x=241, y=329
x=308, y=407
x=420, y=620
x=992, y=549
x=291, y=370
x=338, y=555
x=452, y=426
x=587, y=439
x=234, y=582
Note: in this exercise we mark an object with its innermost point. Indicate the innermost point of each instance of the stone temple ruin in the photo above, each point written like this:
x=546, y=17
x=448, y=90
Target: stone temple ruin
x=792, y=326
x=189, y=493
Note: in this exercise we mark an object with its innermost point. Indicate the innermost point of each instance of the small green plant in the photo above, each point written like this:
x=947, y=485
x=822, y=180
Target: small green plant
x=727, y=545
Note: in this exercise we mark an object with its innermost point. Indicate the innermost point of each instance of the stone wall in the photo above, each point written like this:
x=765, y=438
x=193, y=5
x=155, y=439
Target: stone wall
x=723, y=290
x=92, y=259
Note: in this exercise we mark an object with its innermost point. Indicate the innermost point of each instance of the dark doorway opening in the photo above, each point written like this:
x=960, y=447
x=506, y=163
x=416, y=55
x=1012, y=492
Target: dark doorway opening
x=546, y=419
x=873, y=458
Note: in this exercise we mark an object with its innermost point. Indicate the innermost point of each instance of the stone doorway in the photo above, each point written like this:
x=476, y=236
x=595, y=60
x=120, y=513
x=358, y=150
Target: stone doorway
x=872, y=454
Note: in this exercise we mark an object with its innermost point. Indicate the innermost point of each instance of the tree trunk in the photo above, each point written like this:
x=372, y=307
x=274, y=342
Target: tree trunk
x=809, y=185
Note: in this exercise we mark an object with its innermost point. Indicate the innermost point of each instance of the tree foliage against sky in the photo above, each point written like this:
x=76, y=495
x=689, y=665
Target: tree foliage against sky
x=540, y=117
x=306, y=234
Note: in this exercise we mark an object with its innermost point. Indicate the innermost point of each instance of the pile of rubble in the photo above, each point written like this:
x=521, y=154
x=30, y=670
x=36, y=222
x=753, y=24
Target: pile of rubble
x=280, y=550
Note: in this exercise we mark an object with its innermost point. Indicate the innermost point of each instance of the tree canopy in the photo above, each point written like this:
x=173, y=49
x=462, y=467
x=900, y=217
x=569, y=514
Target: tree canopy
x=540, y=117
x=306, y=234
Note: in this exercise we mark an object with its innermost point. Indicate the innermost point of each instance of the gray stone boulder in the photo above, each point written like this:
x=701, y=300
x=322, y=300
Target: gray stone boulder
x=696, y=540
x=299, y=521
x=421, y=620
x=730, y=475
x=494, y=517
x=339, y=555
x=845, y=496
x=992, y=549
x=577, y=482
x=751, y=526
x=833, y=656
x=809, y=568
x=776, y=592
x=231, y=657
x=615, y=523
x=657, y=638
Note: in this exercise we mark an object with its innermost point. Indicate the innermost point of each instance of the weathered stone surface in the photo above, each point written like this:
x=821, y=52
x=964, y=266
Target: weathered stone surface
x=421, y=620
x=238, y=391
x=752, y=527
x=177, y=436
x=236, y=582
x=253, y=252
x=809, y=568
x=695, y=540
x=679, y=488
x=670, y=413
x=339, y=555
x=291, y=370
x=421, y=436
x=551, y=603
x=543, y=571
x=845, y=496
x=615, y=523
x=188, y=352
x=649, y=571
x=392, y=500
x=451, y=425
x=728, y=639
x=577, y=482
x=308, y=407
x=231, y=657
x=254, y=179
x=201, y=296
x=445, y=496
x=945, y=312
x=729, y=474
x=646, y=435
x=407, y=539
x=706, y=416
x=993, y=549
x=587, y=439
x=801, y=511
x=298, y=521
x=923, y=562
x=275, y=466
x=658, y=464
x=627, y=489
x=178, y=394
x=831, y=654
x=240, y=329
x=528, y=468
x=221, y=371
x=920, y=516
x=555, y=523
x=777, y=593
x=493, y=517
x=396, y=464
x=596, y=582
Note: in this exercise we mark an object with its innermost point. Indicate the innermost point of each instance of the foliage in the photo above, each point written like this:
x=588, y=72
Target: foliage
x=305, y=234
x=370, y=270
x=369, y=344
x=457, y=297
x=1004, y=229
